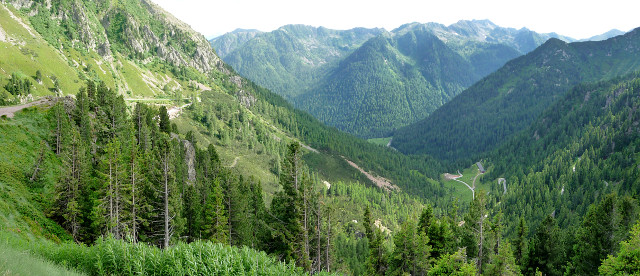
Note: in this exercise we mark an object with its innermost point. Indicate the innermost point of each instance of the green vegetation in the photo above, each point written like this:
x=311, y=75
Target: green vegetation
x=22, y=262
x=291, y=58
x=371, y=82
x=509, y=100
x=388, y=82
x=242, y=183
x=380, y=141
x=117, y=257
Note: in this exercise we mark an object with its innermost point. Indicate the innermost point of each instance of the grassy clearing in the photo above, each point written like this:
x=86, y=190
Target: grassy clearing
x=380, y=141
x=460, y=190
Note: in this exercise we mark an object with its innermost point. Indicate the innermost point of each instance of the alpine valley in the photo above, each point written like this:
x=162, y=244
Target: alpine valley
x=130, y=144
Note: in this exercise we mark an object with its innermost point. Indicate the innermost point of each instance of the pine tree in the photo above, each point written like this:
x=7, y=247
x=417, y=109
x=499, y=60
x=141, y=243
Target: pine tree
x=377, y=259
x=627, y=260
x=114, y=172
x=165, y=187
x=600, y=233
x=291, y=210
x=520, y=243
x=411, y=253
x=258, y=227
x=165, y=125
x=68, y=190
x=544, y=253
x=503, y=263
x=453, y=264
x=476, y=225
x=215, y=215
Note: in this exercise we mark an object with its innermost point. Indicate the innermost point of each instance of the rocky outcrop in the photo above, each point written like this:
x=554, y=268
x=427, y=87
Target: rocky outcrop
x=175, y=43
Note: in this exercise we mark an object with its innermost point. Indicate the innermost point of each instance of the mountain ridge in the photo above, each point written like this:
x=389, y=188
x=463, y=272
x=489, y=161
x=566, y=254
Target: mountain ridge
x=272, y=64
x=504, y=102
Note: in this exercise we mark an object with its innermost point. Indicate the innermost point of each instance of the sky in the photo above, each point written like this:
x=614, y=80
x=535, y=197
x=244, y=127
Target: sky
x=576, y=19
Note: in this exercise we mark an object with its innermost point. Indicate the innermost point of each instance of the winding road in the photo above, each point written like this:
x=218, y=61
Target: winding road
x=473, y=184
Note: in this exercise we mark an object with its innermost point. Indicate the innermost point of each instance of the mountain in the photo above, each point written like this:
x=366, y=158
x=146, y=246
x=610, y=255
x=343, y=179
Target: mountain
x=119, y=160
x=507, y=101
x=288, y=59
x=605, y=36
x=416, y=73
x=147, y=56
x=227, y=43
x=579, y=151
x=389, y=81
x=119, y=123
x=484, y=31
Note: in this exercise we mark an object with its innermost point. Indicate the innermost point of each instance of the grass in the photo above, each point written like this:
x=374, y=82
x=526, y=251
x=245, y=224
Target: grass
x=460, y=190
x=133, y=76
x=380, y=141
x=14, y=261
x=117, y=257
x=34, y=55
x=21, y=201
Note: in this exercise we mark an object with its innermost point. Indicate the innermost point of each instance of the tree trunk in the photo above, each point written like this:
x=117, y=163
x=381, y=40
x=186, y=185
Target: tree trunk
x=165, y=168
x=318, y=248
x=328, y=260
x=134, y=229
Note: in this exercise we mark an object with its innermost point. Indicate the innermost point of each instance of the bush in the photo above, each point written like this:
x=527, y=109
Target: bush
x=117, y=257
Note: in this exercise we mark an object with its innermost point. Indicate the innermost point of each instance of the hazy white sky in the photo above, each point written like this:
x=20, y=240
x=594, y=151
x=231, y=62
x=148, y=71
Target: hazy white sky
x=577, y=19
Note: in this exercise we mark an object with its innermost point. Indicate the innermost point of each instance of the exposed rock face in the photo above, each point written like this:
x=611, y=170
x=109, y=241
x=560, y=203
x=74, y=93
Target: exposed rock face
x=175, y=43
x=245, y=98
x=20, y=4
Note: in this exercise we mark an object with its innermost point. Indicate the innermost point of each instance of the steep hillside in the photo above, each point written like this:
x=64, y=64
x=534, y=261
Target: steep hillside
x=507, y=101
x=290, y=58
x=111, y=163
x=459, y=34
x=401, y=84
x=389, y=81
x=582, y=148
x=229, y=42
x=249, y=125
x=606, y=35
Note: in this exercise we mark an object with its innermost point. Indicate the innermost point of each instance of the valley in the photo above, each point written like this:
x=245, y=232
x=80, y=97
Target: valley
x=131, y=144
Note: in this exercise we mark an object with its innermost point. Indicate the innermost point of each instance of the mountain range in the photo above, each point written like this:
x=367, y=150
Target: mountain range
x=373, y=83
x=507, y=101
x=127, y=146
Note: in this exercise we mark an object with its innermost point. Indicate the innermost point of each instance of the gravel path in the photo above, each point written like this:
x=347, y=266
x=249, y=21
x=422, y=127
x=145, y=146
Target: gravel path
x=9, y=111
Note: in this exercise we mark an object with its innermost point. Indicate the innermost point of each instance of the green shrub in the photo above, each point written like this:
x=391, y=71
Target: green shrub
x=117, y=257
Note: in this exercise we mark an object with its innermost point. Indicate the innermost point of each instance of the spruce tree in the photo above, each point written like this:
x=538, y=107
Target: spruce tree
x=411, y=253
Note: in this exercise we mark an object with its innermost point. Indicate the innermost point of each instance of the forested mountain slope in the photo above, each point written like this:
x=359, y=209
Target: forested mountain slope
x=227, y=43
x=290, y=58
x=111, y=162
x=370, y=89
x=388, y=82
x=581, y=151
x=507, y=101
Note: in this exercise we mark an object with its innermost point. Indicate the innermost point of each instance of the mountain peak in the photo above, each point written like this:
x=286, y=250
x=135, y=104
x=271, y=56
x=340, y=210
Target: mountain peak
x=240, y=30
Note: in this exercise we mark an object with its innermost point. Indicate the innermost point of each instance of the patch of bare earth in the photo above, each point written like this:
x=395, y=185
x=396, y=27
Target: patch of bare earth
x=380, y=181
x=449, y=176
x=3, y=35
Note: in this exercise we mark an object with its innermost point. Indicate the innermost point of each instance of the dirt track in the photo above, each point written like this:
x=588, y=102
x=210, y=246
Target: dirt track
x=9, y=111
